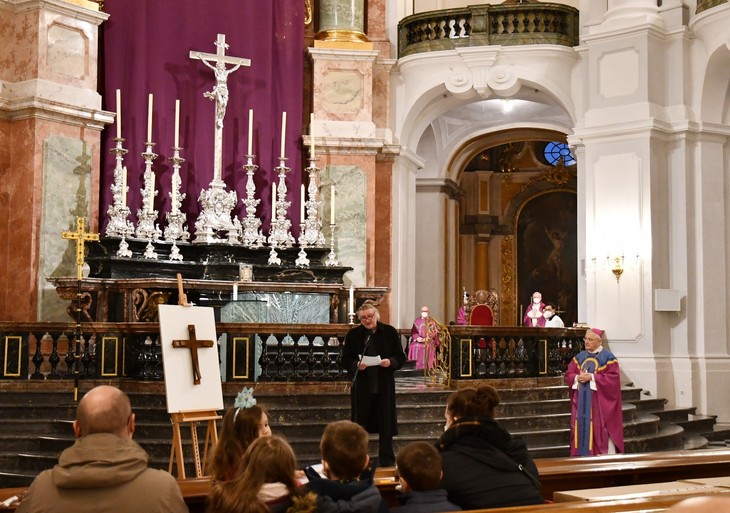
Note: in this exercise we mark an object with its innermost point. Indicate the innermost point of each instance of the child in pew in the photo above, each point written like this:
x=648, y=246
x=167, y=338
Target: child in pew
x=242, y=424
x=266, y=483
x=418, y=469
x=348, y=483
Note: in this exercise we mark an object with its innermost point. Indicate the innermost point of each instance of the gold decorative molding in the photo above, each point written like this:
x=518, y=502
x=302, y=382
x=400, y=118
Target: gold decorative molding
x=308, y=15
x=558, y=175
x=509, y=316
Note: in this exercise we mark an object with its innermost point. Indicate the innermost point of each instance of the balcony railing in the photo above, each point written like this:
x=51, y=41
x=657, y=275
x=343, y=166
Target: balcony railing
x=703, y=5
x=525, y=23
x=268, y=352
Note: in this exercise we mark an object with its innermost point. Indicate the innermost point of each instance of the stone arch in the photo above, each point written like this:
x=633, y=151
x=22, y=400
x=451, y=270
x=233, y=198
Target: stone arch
x=716, y=87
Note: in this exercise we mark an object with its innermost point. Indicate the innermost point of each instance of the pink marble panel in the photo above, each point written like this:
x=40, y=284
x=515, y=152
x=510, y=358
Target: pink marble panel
x=376, y=22
x=18, y=45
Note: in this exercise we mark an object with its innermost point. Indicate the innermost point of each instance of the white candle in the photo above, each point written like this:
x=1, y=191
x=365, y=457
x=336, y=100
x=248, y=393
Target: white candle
x=332, y=204
x=250, y=132
x=124, y=186
x=301, y=210
x=273, y=202
x=311, y=135
x=119, y=114
x=235, y=291
x=152, y=191
x=283, y=132
x=177, y=123
x=352, y=300
x=149, y=118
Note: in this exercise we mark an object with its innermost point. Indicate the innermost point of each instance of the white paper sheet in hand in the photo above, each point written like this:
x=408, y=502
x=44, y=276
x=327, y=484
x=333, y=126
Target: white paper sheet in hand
x=371, y=361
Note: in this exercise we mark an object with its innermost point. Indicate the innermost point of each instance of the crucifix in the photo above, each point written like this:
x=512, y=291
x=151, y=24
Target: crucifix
x=193, y=344
x=80, y=236
x=217, y=62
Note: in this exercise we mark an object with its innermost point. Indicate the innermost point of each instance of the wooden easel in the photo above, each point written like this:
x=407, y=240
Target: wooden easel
x=193, y=418
x=211, y=437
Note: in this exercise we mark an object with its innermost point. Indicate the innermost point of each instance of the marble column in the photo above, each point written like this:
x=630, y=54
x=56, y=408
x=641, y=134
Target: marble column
x=50, y=126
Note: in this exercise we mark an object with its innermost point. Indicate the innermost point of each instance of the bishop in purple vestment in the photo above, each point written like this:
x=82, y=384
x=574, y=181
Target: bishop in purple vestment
x=596, y=420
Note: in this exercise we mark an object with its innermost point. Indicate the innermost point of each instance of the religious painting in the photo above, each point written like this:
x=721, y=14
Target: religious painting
x=547, y=253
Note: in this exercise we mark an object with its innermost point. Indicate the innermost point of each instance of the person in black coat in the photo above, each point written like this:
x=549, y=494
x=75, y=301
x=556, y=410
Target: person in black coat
x=484, y=466
x=373, y=388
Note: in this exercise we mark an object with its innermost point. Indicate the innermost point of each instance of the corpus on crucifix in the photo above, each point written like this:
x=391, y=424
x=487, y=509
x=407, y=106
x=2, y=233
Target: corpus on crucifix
x=193, y=344
x=217, y=62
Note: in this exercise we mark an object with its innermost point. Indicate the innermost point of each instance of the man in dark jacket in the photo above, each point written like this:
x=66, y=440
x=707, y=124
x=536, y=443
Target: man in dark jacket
x=105, y=470
x=372, y=353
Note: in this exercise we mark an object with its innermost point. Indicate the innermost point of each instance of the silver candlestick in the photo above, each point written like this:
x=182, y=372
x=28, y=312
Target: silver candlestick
x=124, y=250
x=274, y=257
x=279, y=234
x=149, y=251
x=146, y=216
x=311, y=234
x=302, y=260
x=119, y=225
x=331, y=256
x=176, y=229
x=252, y=236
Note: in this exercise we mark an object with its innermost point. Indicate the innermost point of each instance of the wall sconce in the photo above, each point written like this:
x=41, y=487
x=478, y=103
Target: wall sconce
x=617, y=266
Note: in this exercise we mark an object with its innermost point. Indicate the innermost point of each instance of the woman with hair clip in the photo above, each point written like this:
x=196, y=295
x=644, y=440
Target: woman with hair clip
x=242, y=424
x=265, y=483
x=483, y=465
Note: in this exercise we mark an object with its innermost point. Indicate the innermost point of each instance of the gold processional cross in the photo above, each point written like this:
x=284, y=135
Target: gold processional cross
x=193, y=344
x=80, y=236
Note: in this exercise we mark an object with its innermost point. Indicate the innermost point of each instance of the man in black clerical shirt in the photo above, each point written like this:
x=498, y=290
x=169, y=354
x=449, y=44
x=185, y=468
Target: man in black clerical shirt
x=373, y=388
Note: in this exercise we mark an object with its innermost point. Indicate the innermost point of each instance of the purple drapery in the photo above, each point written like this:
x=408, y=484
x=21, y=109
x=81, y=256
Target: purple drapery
x=146, y=50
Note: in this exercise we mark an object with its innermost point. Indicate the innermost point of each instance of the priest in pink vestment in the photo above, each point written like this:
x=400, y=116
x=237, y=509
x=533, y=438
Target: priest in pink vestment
x=424, y=341
x=594, y=384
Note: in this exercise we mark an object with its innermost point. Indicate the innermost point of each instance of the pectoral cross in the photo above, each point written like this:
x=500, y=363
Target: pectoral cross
x=80, y=236
x=219, y=94
x=193, y=344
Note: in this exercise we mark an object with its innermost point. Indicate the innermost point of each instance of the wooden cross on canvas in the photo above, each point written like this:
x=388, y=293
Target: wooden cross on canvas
x=80, y=236
x=193, y=344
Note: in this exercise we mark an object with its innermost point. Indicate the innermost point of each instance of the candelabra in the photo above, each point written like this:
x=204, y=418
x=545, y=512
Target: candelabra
x=252, y=236
x=332, y=256
x=176, y=229
x=147, y=215
x=311, y=233
x=119, y=225
x=280, y=235
x=215, y=215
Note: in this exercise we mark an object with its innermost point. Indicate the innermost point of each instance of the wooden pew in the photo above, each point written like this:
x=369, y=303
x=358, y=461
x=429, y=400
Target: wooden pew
x=556, y=474
x=630, y=469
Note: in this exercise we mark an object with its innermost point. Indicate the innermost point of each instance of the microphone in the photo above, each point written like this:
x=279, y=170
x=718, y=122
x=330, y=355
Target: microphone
x=365, y=348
